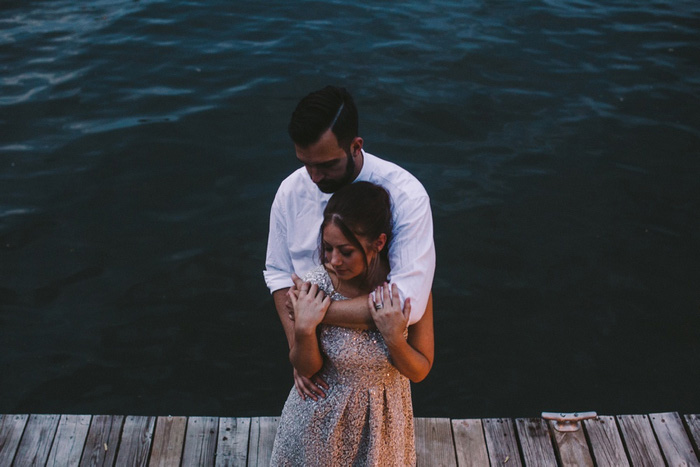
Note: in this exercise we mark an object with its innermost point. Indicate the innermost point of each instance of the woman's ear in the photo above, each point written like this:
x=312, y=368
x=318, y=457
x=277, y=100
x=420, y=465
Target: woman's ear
x=380, y=242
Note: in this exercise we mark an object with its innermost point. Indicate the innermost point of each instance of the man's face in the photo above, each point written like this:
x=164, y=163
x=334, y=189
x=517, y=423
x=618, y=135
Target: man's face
x=329, y=166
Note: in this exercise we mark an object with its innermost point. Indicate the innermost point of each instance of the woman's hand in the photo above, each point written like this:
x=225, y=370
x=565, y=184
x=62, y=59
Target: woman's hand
x=310, y=306
x=413, y=357
x=390, y=319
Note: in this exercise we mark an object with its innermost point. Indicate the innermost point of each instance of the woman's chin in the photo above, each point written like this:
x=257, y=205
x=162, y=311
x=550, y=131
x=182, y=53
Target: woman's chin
x=345, y=275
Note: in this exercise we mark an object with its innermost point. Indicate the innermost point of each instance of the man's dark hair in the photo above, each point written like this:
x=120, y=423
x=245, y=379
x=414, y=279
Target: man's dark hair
x=331, y=107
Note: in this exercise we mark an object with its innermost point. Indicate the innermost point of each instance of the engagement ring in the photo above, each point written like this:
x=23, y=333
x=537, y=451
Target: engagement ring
x=378, y=306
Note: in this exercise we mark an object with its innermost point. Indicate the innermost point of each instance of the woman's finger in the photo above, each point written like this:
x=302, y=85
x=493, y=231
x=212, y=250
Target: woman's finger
x=371, y=305
x=304, y=288
x=395, y=298
x=326, y=303
x=297, y=281
x=387, y=294
x=378, y=302
x=317, y=293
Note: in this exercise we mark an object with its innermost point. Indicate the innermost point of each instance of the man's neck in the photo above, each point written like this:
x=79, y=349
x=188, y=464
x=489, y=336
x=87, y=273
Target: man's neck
x=359, y=164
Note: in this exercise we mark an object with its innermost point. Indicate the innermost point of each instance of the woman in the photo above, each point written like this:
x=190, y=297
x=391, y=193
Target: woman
x=366, y=417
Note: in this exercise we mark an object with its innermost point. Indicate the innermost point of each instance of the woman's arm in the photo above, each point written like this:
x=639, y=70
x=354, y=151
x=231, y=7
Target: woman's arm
x=412, y=357
x=309, y=309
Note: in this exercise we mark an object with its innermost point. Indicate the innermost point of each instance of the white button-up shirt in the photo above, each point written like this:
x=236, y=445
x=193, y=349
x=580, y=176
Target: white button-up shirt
x=297, y=214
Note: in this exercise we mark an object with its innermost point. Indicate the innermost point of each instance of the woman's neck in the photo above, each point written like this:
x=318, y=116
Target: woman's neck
x=358, y=285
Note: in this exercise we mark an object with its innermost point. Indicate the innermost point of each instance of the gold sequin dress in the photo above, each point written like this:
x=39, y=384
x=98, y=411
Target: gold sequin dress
x=366, y=417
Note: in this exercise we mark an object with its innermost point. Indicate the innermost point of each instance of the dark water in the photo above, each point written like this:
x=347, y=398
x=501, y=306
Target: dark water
x=141, y=143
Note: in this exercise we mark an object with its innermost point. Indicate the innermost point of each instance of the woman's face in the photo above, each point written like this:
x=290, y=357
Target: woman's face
x=344, y=257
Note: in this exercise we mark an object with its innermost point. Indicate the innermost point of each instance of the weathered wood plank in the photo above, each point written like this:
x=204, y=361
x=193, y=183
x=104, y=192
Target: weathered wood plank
x=69, y=441
x=11, y=429
x=200, y=442
x=675, y=445
x=57, y=440
x=571, y=447
x=693, y=422
x=168, y=441
x=136, y=440
x=638, y=436
x=605, y=442
x=102, y=441
x=434, y=444
x=470, y=444
x=36, y=442
x=262, y=437
x=535, y=442
x=501, y=442
x=232, y=447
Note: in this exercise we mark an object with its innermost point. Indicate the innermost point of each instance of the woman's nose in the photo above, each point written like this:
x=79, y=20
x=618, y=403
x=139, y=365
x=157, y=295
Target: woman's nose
x=335, y=259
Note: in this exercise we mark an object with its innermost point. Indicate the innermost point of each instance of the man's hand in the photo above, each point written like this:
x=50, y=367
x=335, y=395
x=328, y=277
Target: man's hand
x=310, y=387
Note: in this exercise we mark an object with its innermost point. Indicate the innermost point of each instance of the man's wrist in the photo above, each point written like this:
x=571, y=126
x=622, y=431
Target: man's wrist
x=355, y=310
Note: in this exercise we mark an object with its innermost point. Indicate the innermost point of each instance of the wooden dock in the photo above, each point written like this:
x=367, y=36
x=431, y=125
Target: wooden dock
x=107, y=440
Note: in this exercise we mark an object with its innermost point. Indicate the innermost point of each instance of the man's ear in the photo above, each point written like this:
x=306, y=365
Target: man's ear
x=380, y=242
x=356, y=146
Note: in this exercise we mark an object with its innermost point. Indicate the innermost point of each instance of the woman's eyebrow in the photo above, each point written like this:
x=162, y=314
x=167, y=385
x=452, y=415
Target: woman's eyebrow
x=339, y=246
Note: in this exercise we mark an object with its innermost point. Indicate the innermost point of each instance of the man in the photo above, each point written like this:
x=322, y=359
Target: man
x=324, y=129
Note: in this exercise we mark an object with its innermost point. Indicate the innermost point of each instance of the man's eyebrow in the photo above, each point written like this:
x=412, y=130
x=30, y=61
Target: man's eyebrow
x=331, y=162
x=324, y=164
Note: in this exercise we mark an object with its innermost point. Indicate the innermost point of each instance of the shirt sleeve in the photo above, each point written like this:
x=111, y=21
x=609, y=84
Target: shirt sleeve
x=412, y=254
x=278, y=261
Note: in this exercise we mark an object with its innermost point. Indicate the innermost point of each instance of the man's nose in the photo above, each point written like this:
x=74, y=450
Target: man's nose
x=316, y=174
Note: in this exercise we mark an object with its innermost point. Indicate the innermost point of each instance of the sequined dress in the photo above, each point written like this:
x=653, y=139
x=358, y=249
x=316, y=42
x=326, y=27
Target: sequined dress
x=366, y=417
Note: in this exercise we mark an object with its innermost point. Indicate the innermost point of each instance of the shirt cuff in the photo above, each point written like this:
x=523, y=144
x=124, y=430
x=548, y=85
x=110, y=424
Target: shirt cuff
x=276, y=280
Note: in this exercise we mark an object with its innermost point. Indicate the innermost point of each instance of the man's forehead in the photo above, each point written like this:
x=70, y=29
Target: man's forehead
x=320, y=160
x=319, y=154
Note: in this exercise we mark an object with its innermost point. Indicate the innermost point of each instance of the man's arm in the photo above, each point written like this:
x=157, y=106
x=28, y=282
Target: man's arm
x=353, y=313
x=278, y=263
x=283, y=306
x=412, y=253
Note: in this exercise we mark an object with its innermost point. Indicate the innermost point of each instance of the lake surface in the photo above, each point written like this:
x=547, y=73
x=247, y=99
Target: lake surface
x=141, y=144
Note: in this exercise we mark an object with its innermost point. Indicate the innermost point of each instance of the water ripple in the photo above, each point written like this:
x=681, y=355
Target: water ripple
x=142, y=142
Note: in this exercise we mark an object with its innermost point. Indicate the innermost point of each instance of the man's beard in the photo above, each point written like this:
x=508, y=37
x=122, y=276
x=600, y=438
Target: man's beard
x=331, y=186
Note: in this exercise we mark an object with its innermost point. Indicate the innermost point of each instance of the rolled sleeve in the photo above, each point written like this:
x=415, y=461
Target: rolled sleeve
x=278, y=262
x=412, y=255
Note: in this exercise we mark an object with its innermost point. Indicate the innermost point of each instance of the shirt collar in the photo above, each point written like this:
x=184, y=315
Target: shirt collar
x=366, y=170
